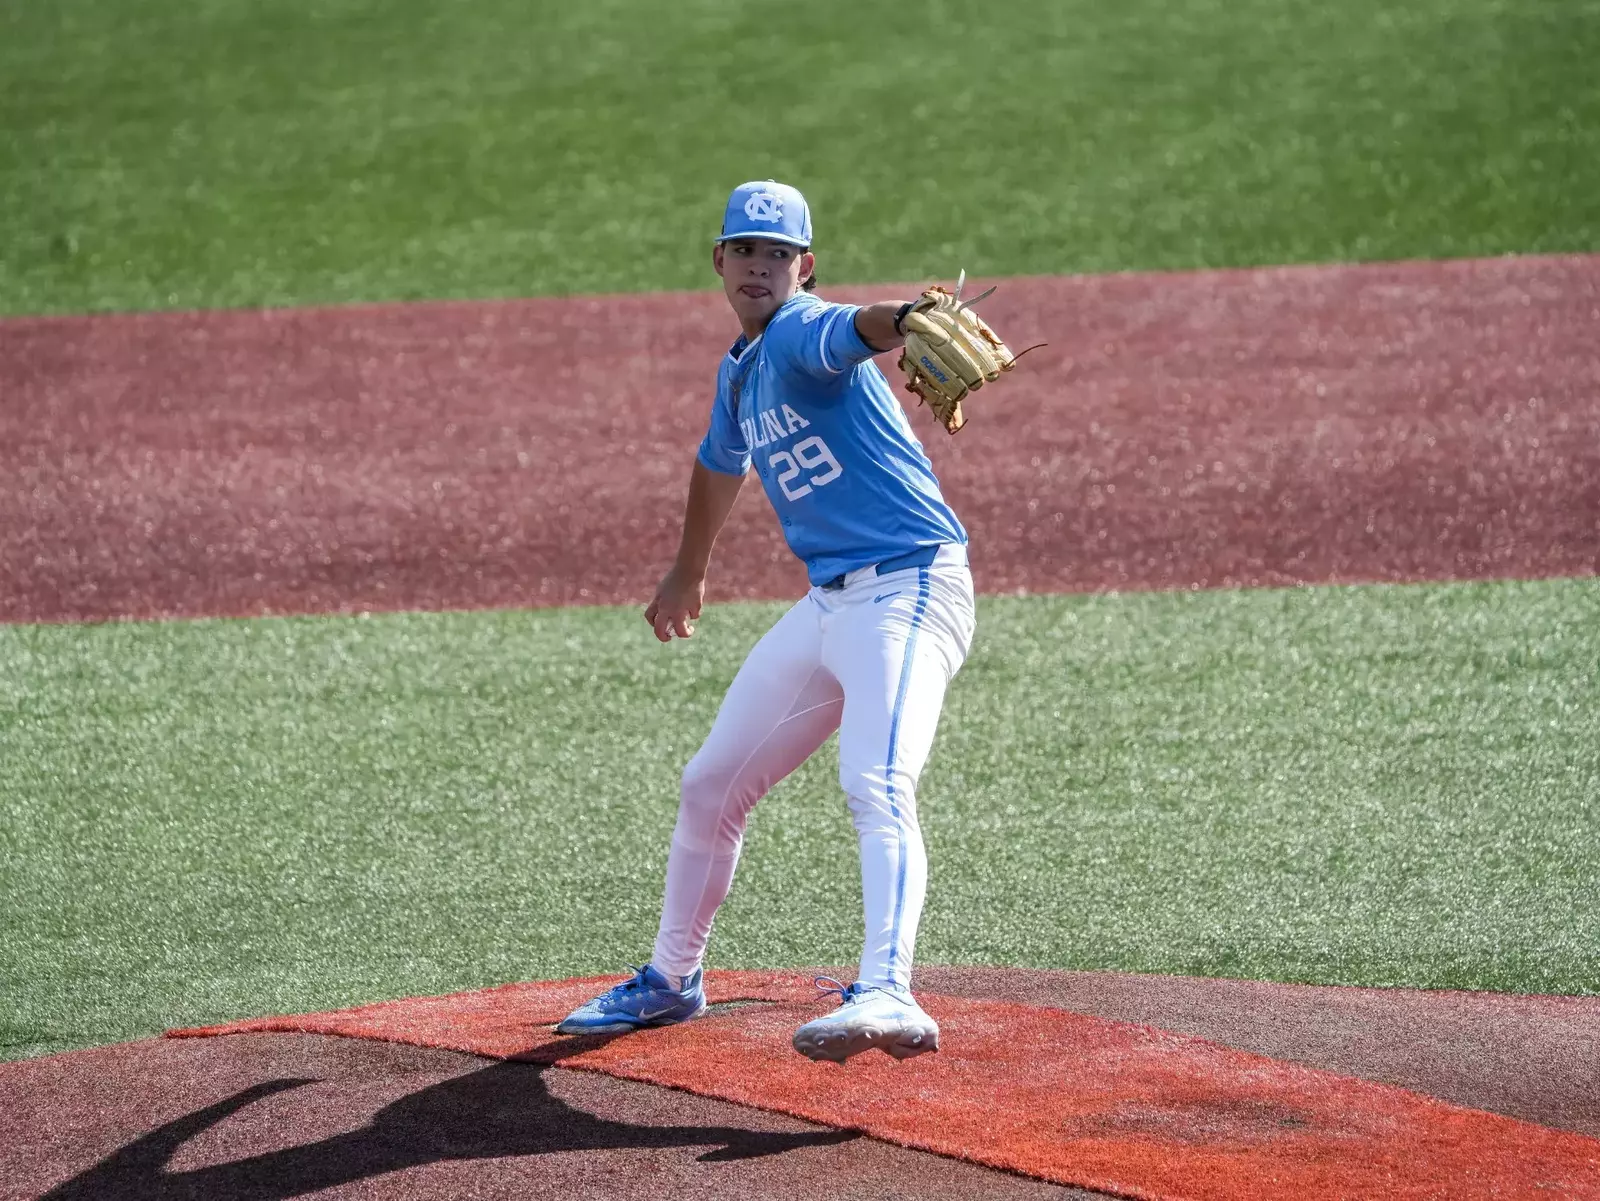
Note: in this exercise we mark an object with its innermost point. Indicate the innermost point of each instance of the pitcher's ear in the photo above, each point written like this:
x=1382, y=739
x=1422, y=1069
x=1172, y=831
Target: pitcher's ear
x=716, y=256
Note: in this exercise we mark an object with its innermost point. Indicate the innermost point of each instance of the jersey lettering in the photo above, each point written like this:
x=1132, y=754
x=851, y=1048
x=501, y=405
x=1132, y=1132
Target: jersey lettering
x=769, y=427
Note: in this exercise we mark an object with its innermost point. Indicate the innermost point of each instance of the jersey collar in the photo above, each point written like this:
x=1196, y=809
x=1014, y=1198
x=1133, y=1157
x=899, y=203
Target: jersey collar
x=744, y=345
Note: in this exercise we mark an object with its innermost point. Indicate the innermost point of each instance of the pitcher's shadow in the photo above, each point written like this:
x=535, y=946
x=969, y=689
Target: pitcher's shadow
x=502, y=1110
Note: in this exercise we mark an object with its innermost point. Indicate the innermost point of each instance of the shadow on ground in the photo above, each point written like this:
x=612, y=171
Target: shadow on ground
x=505, y=1109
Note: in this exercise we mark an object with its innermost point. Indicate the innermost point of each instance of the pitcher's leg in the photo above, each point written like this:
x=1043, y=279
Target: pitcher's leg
x=779, y=709
x=894, y=662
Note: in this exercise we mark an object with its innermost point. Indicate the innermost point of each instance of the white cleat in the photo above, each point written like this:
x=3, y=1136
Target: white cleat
x=868, y=1017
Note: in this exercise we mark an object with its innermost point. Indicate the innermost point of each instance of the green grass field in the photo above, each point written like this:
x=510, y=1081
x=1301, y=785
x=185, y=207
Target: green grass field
x=224, y=152
x=212, y=819
x=1381, y=785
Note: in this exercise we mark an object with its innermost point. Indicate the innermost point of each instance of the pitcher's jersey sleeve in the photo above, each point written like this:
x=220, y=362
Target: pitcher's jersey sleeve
x=813, y=337
x=724, y=448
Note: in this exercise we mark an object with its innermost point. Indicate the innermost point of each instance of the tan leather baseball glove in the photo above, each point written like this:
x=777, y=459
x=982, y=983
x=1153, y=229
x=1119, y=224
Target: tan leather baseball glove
x=950, y=351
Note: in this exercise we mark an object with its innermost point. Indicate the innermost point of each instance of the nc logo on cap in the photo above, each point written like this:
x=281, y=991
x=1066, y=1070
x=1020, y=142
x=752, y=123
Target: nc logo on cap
x=765, y=208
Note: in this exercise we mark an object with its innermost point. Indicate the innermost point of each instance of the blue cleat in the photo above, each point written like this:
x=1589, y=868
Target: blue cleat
x=645, y=1000
x=868, y=1018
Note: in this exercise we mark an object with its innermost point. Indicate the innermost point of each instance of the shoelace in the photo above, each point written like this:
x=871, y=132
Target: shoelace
x=847, y=992
x=619, y=991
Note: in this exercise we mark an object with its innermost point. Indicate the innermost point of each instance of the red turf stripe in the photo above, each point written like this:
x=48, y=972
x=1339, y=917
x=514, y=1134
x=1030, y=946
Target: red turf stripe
x=1122, y=1108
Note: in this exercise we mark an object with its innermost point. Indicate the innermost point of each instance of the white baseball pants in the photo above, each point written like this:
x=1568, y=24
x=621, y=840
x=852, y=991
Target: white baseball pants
x=871, y=660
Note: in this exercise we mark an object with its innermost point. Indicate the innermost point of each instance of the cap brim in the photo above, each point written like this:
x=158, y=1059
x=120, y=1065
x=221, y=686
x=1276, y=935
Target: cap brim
x=755, y=237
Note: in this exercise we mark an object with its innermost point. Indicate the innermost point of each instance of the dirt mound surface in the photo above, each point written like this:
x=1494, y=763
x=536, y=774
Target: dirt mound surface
x=266, y=1116
x=281, y=1114
x=1399, y=421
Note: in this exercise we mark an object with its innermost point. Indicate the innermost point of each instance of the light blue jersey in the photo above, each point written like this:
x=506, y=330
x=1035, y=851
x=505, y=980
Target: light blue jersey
x=805, y=403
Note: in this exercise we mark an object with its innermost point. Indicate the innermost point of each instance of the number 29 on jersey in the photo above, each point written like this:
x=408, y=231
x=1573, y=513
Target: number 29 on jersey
x=808, y=456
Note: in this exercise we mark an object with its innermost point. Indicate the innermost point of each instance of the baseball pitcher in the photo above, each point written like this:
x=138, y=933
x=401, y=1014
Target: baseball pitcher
x=871, y=647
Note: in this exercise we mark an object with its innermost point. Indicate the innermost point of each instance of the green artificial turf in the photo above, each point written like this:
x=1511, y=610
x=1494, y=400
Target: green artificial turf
x=156, y=154
x=1375, y=785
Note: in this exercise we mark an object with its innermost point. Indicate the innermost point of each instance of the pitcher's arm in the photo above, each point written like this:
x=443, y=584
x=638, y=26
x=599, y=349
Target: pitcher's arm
x=682, y=590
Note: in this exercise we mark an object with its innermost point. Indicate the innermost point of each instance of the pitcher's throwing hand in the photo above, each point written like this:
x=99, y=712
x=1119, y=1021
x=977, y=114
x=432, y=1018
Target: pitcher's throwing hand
x=676, y=605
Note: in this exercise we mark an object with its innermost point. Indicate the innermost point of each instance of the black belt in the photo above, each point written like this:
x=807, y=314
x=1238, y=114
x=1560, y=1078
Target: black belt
x=920, y=557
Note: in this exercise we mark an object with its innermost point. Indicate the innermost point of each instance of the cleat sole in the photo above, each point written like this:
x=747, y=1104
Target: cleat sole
x=613, y=1028
x=838, y=1046
x=627, y=1027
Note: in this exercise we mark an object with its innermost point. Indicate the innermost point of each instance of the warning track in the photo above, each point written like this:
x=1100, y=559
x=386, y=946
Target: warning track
x=1403, y=421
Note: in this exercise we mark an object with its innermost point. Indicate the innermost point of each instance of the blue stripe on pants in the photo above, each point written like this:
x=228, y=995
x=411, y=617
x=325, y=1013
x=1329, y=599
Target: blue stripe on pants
x=894, y=740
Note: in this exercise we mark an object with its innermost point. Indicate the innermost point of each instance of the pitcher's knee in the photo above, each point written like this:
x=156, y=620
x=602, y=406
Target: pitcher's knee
x=879, y=787
x=875, y=804
x=700, y=777
x=712, y=807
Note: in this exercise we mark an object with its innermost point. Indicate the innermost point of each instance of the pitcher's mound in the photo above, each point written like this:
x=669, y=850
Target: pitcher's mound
x=267, y=1116
x=1039, y=1074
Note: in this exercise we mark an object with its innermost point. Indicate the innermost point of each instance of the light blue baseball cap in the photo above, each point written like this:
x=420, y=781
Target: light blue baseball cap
x=765, y=208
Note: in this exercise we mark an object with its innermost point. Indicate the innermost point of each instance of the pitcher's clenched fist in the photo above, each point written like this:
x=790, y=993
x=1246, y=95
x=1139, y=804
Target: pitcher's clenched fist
x=676, y=606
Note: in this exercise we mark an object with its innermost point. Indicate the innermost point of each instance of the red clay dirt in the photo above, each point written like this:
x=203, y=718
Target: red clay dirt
x=1528, y=1057
x=1130, y=1110
x=263, y=1117
x=390, y=1121
x=1402, y=421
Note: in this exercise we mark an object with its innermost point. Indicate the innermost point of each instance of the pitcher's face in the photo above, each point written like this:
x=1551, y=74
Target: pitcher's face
x=758, y=275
